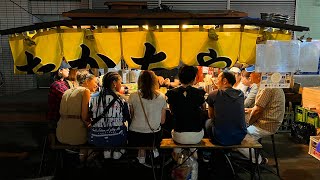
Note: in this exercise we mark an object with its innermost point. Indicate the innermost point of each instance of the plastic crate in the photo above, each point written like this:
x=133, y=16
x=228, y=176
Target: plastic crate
x=300, y=114
x=312, y=117
x=314, y=142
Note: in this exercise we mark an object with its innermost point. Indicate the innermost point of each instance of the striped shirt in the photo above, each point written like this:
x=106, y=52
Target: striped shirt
x=272, y=100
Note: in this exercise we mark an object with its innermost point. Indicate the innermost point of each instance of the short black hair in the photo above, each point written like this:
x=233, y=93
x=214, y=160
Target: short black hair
x=187, y=74
x=229, y=76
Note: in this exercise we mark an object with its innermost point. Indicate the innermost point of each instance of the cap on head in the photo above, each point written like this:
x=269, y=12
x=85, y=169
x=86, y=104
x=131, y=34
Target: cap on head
x=64, y=65
x=235, y=70
x=250, y=68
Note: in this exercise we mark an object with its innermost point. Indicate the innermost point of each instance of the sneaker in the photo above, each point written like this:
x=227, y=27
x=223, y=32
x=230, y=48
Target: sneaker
x=264, y=161
x=142, y=160
x=122, y=151
x=155, y=153
x=206, y=156
x=107, y=154
x=116, y=155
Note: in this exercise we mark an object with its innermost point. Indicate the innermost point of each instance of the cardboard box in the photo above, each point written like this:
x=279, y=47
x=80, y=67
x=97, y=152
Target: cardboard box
x=314, y=142
x=310, y=97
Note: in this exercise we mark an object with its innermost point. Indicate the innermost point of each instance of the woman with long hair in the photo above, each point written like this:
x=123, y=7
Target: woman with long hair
x=110, y=113
x=148, y=112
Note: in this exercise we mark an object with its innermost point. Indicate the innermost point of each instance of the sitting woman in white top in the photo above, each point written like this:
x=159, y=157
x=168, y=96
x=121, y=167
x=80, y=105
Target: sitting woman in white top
x=148, y=112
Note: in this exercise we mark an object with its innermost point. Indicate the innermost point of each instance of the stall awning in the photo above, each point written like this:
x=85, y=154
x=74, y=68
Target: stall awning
x=144, y=39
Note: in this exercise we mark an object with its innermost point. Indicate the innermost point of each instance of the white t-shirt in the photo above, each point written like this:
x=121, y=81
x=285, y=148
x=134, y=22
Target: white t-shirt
x=153, y=110
x=241, y=87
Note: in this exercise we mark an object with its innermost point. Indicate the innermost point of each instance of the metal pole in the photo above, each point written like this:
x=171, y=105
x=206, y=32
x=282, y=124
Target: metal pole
x=228, y=4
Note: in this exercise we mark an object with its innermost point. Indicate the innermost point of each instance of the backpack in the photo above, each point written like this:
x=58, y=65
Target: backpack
x=301, y=132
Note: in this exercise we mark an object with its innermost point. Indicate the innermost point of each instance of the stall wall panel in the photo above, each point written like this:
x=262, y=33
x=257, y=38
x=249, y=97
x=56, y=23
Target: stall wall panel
x=12, y=16
x=308, y=13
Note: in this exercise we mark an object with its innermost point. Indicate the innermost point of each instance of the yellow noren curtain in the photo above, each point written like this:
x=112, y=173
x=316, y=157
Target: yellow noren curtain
x=48, y=48
x=167, y=41
x=107, y=43
x=247, y=53
x=18, y=47
x=133, y=46
x=226, y=46
x=71, y=40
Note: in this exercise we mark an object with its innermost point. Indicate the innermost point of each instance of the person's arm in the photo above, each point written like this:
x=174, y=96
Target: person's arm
x=175, y=83
x=249, y=101
x=255, y=114
x=163, y=115
x=85, y=108
x=211, y=112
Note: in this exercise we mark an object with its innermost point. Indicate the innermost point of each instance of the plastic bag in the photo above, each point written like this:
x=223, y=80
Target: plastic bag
x=301, y=132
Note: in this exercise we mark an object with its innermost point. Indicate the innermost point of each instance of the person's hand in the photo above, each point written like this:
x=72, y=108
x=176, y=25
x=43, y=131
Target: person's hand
x=167, y=82
x=214, y=83
x=247, y=110
x=160, y=80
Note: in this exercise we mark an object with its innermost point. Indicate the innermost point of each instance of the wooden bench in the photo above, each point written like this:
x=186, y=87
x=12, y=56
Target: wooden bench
x=208, y=145
x=58, y=148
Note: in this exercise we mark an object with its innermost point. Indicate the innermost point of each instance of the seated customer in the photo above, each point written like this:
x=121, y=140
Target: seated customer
x=266, y=116
x=110, y=112
x=252, y=90
x=148, y=110
x=186, y=104
x=226, y=125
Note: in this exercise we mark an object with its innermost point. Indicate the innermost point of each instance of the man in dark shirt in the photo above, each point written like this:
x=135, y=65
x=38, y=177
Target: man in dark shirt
x=226, y=125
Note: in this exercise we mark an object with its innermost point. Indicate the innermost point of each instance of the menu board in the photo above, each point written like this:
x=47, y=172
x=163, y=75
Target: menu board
x=275, y=80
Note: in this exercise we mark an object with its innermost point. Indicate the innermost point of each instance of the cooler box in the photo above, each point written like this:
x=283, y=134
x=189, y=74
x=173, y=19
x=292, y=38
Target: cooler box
x=310, y=97
x=312, y=117
x=299, y=114
x=314, y=147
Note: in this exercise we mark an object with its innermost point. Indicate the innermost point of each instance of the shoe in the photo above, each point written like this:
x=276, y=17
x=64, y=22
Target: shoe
x=206, y=156
x=155, y=153
x=117, y=155
x=122, y=151
x=264, y=161
x=142, y=160
x=107, y=154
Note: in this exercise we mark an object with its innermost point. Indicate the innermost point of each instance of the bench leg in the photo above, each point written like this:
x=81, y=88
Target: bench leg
x=256, y=154
x=43, y=156
x=230, y=164
x=162, y=163
x=252, y=167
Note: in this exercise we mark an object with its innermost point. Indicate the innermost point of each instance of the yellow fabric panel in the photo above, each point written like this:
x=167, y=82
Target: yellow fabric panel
x=133, y=46
x=169, y=43
x=194, y=43
x=107, y=43
x=18, y=48
x=48, y=48
x=71, y=40
x=247, y=53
